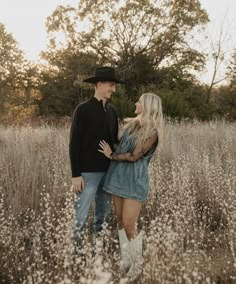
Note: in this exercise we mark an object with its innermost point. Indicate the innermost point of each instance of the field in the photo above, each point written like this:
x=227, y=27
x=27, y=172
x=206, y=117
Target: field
x=189, y=219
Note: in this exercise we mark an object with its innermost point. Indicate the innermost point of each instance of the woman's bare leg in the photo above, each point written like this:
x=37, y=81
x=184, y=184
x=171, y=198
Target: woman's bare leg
x=130, y=214
x=118, y=205
x=125, y=260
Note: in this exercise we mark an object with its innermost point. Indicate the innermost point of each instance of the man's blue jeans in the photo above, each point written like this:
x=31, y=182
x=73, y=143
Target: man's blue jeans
x=93, y=183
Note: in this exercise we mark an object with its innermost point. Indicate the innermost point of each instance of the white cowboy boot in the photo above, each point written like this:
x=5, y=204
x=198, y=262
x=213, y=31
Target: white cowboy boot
x=125, y=261
x=136, y=245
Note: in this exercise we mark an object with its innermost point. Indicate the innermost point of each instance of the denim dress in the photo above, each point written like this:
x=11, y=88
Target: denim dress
x=129, y=179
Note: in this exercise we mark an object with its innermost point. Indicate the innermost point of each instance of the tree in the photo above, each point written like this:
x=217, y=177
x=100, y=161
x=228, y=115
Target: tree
x=231, y=72
x=17, y=77
x=140, y=38
x=121, y=31
x=11, y=66
x=61, y=86
x=227, y=95
x=217, y=55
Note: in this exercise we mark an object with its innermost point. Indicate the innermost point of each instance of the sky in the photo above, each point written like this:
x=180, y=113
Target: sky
x=25, y=19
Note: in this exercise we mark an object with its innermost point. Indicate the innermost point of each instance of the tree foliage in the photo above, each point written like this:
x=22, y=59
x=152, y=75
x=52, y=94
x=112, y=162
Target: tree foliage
x=11, y=59
x=120, y=31
x=139, y=38
x=11, y=62
x=123, y=29
x=149, y=42
x=231, y=72
x=18, y=78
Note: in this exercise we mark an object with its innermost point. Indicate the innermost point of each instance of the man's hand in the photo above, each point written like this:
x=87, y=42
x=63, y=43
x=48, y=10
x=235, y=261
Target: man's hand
x=77, y=184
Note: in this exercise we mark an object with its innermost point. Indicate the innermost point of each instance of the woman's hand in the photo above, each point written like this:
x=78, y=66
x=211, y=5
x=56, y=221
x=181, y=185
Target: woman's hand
x=105, y=149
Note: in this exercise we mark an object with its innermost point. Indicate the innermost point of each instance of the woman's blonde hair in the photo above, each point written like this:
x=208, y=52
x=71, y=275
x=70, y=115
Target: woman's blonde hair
x=151, y=118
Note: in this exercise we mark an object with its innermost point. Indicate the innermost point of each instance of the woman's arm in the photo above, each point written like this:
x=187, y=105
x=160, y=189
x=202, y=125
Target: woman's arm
x=138, y=152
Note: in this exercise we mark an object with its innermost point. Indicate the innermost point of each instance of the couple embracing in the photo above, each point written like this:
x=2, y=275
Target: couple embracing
x=104, y=172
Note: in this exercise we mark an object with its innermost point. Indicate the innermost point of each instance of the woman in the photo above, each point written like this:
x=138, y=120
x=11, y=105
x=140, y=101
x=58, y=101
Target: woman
x=127, y=177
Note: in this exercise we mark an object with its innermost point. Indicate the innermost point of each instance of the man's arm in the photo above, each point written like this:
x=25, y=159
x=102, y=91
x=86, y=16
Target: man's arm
x=76, y=134
x=116, y=126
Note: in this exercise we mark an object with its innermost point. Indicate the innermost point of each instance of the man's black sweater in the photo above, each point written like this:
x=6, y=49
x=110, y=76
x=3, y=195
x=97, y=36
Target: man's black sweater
x=91, y=123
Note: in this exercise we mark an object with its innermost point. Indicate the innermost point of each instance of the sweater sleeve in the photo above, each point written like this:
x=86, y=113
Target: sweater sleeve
x=139, y=151
x=116, y=129
x=76, y=133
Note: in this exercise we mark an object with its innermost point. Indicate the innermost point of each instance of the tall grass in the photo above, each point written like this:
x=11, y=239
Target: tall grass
x=189, y=219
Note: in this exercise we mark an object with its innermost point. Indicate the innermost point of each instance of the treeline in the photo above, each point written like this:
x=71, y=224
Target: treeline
x=148, y=42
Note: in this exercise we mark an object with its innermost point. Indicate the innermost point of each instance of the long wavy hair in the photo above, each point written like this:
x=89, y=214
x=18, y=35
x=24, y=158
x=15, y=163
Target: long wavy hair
x=151, y=118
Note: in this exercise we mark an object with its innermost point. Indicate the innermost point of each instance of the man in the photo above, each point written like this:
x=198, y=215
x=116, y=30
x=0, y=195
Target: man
x=93, y=120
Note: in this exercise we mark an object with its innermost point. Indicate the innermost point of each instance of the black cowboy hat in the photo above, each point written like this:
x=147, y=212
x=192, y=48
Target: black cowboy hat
x=104, y=74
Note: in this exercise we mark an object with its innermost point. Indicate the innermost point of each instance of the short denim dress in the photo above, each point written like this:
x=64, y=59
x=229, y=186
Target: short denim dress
x=129, y=179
